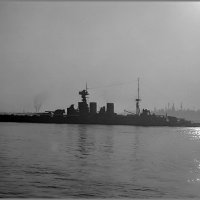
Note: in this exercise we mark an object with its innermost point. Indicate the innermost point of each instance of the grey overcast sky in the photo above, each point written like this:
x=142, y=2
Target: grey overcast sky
x=50, y=49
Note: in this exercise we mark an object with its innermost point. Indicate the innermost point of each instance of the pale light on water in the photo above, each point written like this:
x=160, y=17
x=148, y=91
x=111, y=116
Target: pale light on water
x=47, y=160
x=194, y=133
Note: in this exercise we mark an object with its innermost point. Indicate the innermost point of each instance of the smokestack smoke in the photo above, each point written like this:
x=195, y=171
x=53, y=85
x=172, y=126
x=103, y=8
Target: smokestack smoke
x=39, y=100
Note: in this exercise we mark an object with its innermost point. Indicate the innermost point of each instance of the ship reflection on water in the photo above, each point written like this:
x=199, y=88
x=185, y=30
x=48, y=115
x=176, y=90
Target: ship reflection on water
x=85, y=145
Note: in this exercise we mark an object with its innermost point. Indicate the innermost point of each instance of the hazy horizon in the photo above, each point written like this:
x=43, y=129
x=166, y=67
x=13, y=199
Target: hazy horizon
x=49, y=50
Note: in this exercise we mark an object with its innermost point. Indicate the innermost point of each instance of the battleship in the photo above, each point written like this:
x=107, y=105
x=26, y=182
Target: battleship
x=87, y=113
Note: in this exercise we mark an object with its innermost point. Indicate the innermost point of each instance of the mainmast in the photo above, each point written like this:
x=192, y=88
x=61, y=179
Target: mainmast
x=138, y=99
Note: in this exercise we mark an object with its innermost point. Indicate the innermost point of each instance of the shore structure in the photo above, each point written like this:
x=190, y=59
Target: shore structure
x=87, y=113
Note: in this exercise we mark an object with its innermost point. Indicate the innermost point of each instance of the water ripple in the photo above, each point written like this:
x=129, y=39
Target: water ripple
x=66, y=161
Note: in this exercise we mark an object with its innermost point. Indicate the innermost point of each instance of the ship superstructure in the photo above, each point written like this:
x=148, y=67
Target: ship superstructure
x=88, y=111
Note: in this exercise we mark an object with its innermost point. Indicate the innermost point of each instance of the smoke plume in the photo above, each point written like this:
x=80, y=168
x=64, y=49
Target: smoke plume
x=39, y=101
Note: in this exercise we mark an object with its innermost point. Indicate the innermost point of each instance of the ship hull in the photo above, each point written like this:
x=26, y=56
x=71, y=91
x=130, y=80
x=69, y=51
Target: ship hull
x=97, y=119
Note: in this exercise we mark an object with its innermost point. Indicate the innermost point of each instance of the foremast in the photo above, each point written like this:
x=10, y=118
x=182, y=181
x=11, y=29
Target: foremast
x=83, y=106
x=84, y=94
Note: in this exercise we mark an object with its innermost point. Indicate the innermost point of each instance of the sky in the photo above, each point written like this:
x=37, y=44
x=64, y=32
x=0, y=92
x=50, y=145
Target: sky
x=49, y=50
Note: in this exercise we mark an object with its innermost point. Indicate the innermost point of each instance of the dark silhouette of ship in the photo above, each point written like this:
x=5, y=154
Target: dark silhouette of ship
x=87, y=114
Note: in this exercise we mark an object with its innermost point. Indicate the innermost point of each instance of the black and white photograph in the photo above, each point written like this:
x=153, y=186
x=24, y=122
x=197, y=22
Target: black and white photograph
x=99, y=99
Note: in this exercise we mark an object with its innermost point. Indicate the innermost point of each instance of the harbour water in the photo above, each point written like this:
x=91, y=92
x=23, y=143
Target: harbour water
x=98, y=161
